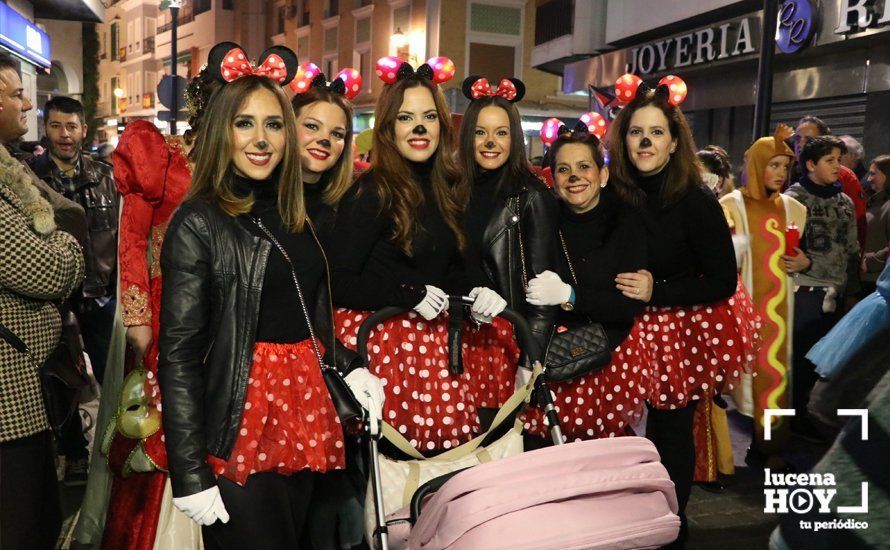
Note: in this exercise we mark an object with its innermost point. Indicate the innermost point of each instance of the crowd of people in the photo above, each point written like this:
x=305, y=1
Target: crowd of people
x=215, y=277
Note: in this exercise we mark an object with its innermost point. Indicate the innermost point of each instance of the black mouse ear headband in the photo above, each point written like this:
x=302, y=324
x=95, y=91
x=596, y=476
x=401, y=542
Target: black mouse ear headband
x=347, y=83
x=671, y=89
x=438, y=70
x=476, y=87
x=228, y=62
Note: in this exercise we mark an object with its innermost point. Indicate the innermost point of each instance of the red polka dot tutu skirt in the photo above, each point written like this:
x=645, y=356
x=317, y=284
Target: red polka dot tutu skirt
x=289, y=422
x=598, y=404
x=433, y=408
x=693, y=352
x=491, y=357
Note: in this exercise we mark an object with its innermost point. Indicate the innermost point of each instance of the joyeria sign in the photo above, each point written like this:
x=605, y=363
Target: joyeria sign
x=796, y=25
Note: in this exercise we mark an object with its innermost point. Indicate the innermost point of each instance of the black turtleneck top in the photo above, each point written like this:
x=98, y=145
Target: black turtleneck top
x=603, y=242
x=369, y=270
x=485, y=198
x=320, y=213
x=281, y=317
x=690, y=247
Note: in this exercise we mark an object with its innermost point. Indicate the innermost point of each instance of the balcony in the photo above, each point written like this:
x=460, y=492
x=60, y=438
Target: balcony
x=122, y=53
x=556, y=41
x=186, y=15
x=148, y=100
x=553, y=19
x=148, y=45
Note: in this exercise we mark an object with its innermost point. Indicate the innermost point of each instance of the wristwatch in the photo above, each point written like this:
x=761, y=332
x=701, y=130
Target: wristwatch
x=569, y=305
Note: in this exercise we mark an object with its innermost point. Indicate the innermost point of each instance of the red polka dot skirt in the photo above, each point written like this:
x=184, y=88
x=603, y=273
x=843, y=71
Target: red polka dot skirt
x=289, y=422
x=693, y=352
x=433, y=408
x=490, y=356
x=598, y=404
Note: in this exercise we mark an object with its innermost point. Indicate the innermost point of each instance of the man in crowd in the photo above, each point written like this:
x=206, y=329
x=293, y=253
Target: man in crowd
x=853, y=159
x=811, y=126
x=39, y=264
x=90, y=184
x=830, y=244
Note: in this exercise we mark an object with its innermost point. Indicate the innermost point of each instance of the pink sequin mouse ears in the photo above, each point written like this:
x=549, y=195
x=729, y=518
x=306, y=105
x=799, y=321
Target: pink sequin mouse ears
x=438, y=70
x=347, y=83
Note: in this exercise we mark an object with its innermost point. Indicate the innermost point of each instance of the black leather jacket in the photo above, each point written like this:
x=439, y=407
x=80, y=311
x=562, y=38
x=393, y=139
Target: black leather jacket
x=95, y=191
x=531, y=208
x=212, y=272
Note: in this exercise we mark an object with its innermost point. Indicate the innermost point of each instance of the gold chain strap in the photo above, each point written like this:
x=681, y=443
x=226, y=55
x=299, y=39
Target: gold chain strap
x=565, y=250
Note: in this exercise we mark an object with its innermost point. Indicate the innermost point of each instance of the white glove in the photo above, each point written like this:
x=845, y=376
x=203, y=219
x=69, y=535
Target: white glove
x=367, y=389
x=204, y=508
x=547, y=289
x=522, y=377
x=434, y=303
x=487, y=304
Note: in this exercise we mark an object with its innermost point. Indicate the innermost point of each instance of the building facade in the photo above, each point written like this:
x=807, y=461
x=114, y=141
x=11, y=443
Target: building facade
x=832, y=60
x=135, y=52
x=493, y=38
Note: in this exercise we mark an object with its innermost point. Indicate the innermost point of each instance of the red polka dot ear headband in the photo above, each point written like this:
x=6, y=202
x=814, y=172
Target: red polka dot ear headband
x=438, y=70
x=476, y=87
x=228, y=62
x=347, y=83
x=670, y=88
x=591, y=123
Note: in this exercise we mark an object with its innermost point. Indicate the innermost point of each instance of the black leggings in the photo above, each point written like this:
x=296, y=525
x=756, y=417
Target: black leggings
x=268, y=512
x=671, y=431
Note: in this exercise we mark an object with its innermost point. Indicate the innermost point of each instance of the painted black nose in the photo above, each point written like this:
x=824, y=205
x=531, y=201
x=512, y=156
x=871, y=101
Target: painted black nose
x=645, y=142
x=489, y=145
x=420, y=130
x=324, y=142
x=573, y=178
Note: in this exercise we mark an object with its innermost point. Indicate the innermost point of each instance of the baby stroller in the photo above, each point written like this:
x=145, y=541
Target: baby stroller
x=487, y=494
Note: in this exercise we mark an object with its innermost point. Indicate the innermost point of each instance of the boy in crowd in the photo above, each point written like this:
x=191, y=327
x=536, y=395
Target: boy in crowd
x=831, y=245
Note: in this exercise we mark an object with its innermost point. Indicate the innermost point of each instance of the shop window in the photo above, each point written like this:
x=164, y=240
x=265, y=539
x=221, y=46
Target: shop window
x=495, y=19
x=494, y=61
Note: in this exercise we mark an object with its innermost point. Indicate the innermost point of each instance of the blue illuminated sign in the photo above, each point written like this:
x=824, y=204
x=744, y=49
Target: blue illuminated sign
x=796, y=25
x=23, y=38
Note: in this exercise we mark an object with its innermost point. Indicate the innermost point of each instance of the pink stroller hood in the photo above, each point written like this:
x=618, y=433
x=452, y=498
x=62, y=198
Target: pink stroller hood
x=605, y=493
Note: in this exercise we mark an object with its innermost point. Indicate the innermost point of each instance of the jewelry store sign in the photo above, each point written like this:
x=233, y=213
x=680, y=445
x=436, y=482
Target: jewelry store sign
x=715, y=43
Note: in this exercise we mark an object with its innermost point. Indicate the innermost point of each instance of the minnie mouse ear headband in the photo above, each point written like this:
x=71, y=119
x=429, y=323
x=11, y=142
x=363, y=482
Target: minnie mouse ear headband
x=591, y=123
x=228, y=62
x=438, y=70
x=347, y=83
x=476, y=87
x=670, y=88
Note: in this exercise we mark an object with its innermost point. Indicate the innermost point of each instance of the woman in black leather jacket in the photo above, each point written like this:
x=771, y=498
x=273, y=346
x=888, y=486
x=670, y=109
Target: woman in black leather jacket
x=510, y=222
x=248, y=420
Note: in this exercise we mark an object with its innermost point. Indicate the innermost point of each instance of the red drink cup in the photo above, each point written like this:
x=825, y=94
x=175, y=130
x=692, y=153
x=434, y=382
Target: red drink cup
x=792, y=239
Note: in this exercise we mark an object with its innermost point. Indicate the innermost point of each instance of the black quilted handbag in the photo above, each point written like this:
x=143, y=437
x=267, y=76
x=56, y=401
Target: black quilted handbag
x=576, y=350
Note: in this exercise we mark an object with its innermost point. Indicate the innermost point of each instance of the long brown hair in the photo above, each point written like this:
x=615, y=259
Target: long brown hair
x=399, y=193
x=683, y=169
x=213, y=176
x=341, y=174
x=517, y=170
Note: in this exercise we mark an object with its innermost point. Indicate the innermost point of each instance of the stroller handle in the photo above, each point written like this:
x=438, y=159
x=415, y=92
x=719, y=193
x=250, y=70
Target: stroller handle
x=524, y=332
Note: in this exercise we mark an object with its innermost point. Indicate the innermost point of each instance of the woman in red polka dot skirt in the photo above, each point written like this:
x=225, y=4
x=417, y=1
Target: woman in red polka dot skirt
x=601, y=235
x=699, y=330
x=509, y=208
x=249, y=424
x=397, y=242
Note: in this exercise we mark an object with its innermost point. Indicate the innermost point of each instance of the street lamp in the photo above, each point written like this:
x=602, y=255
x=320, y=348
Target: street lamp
x=118, y=93
x=398, y=40
x=173, y=6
